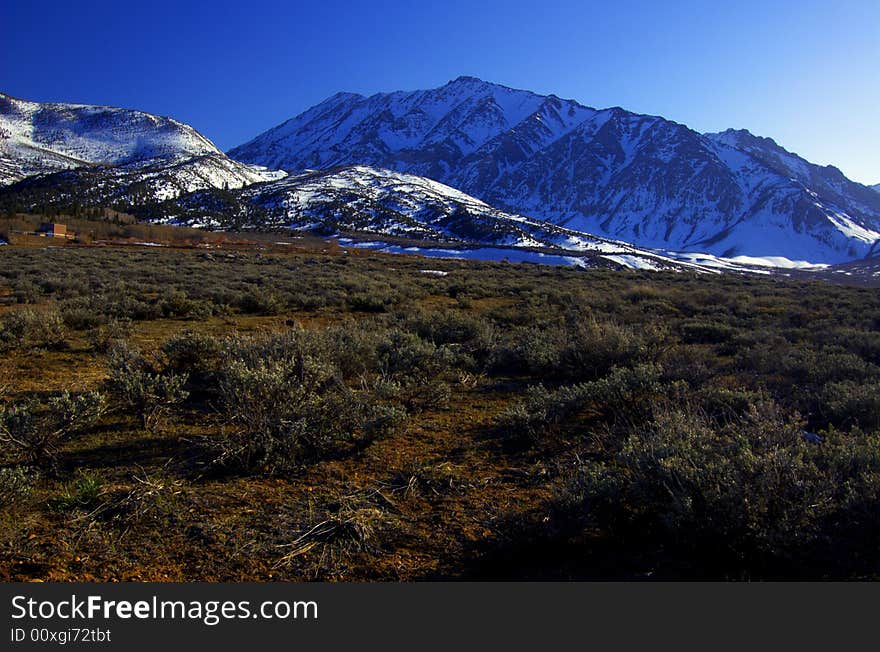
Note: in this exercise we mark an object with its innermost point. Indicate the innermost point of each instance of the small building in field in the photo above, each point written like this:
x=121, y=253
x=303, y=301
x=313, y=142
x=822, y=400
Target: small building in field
x=53, y=230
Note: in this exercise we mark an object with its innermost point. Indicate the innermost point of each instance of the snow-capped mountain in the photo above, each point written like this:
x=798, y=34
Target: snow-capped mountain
x=382, y=202
x=631, y=177
x=572, y=169
x=432, y=219
x=877, y=187
x=389, y=204
x=386, y=202
x=40, y=138
x=144, y=184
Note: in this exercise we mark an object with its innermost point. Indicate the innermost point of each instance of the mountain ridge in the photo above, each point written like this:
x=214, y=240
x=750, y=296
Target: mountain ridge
x=628, y=176
x=620, y=175
x=39, y=138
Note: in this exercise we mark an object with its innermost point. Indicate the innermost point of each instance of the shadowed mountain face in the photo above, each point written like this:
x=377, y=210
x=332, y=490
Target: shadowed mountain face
x=351, y=200
x=633, y=177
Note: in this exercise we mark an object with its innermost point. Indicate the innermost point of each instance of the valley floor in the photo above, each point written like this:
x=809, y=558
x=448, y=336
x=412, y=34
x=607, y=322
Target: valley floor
x=302, y=411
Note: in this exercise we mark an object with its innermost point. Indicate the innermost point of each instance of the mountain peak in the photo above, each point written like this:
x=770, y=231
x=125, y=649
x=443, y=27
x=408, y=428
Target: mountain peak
x=475, y=84
x=467, y=79
x=627, y=176
x=343, y=95
x=744, y=137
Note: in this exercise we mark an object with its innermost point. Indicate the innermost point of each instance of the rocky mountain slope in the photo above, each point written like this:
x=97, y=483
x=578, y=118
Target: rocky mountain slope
x=378, y=201
x=638, y=178
x=40, y=138
x=138, y=188
x=380, y=206
x=463, y=163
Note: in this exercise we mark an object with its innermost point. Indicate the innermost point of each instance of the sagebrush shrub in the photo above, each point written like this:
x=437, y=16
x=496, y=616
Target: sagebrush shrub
x=741, y=498
x=16, y=485
x=139, y=386
x=624, y=395
x=289, y=404
x=33, y=432
x=30, y=328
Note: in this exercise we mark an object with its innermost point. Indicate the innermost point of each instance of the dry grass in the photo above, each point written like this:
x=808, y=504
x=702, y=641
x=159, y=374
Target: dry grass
x=440, y=496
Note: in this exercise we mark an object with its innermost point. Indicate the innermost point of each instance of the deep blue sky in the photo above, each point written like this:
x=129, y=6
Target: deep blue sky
x=804, y=72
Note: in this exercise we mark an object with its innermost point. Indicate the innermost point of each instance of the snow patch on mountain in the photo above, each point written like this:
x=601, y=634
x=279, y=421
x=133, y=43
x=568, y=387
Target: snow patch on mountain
x=620, y=175
x=392, y=203
x=37, y=137
x=166, y=156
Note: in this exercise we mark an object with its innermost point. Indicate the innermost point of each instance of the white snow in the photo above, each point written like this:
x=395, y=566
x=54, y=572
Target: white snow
x=635, y=262
x=171, y=157
x=489, y=254
x=619, y=175
x=776, y=261
x=850, y=229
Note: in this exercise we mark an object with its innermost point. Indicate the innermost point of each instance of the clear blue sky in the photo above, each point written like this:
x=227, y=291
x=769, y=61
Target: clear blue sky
x=805, y=72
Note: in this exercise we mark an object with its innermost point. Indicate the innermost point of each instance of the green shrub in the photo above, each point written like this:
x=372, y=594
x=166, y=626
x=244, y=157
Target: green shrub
x=289, y=405
x=139, y=386
x=83, y=492
x=33, y=432
x=16, y=485
x=848, y=404
x=751, y=498
x=30, y=328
